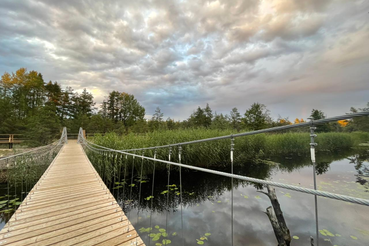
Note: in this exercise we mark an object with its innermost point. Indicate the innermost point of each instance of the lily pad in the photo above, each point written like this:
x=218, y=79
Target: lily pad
x=166, y=241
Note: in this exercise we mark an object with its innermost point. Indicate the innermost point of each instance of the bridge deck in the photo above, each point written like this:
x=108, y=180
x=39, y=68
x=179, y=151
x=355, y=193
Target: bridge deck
x=70, y=205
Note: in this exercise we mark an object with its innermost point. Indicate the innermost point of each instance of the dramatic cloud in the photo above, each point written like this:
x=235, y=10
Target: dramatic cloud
x=176, y=54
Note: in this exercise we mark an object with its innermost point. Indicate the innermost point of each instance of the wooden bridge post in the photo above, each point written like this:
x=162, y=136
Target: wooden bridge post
x=11, y=140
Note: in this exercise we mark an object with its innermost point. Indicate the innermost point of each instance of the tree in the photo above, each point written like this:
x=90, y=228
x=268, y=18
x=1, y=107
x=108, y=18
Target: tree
x=359, y=123
x=202, y=117
x=170, y=124
x=98, y=124
x=156, y=120
x=83, y=104
x=158, y=115
x=43, y=127
x=220, y=122
x=257, y=117
x=318, y=115
x=123, y=107
x=298, y=121
x=235, y=119
x=208, y=115
x=282, y=121
x=197, y=118
x=53, y=93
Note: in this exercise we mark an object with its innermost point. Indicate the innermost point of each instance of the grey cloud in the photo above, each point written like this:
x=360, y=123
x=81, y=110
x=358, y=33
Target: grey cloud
x=182, y=54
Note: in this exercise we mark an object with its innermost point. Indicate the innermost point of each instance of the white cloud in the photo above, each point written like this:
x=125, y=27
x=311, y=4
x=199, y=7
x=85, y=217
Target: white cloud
x=183, y=54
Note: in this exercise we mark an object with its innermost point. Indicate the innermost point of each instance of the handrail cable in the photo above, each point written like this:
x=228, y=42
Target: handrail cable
x=350, y=199
x=63, y=139
x=272, y=129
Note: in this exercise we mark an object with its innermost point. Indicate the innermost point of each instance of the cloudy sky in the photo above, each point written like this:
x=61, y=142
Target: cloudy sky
x=290, y=55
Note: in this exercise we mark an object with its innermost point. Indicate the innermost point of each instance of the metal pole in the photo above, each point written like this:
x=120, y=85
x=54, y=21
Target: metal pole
x=312, y=154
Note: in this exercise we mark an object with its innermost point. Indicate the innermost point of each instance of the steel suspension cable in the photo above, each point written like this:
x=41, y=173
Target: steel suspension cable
x=260, y=181
x=272, y=129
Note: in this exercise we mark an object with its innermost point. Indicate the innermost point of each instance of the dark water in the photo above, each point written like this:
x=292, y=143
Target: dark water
x=206, y=203
x=206, y=206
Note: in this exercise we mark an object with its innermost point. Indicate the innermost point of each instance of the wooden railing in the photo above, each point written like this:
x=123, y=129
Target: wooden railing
x=11, y=139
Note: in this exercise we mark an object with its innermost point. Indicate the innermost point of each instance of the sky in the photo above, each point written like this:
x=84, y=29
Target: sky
x=292, y=56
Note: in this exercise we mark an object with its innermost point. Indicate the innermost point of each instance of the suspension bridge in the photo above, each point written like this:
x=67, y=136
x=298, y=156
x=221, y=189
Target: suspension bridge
x=71, y=204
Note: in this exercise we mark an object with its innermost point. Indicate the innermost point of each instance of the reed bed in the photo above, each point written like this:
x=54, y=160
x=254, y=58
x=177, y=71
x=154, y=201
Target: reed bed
x=216, y=153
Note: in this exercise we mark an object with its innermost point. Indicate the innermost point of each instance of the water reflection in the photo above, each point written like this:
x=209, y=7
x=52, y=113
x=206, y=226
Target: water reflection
x=207, y=202
x=207, y=207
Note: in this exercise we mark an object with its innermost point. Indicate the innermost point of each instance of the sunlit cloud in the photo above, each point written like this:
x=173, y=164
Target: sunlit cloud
x=290, y=55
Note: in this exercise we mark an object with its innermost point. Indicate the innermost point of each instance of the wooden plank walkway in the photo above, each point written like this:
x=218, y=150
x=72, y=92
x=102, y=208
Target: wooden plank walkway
x=70, y=205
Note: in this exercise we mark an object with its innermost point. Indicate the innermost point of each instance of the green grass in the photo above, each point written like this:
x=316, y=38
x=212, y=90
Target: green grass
x=217, y=153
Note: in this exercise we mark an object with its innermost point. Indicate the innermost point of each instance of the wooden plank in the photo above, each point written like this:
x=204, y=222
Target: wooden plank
x=70, y=204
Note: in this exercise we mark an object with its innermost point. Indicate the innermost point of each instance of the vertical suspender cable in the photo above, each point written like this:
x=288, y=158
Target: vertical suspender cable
x=139, y=193
x=133, y=169
x=7, y=174
x=312, y=153
x=124, y=177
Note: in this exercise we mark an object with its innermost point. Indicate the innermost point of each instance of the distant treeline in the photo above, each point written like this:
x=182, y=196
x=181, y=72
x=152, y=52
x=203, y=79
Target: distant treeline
x=39, y=110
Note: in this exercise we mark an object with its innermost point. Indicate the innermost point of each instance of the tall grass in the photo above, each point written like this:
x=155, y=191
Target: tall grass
x=216, y=153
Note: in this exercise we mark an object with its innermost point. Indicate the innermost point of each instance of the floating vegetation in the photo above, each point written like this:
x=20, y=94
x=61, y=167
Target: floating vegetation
x=325, y=232
x=353, y=237
x=202, y=239
x=257, y=197
x=149, y=197
x=296, y=237
x=363, y=232
x=166, y=241
x=287, y=195
x=158, y=233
